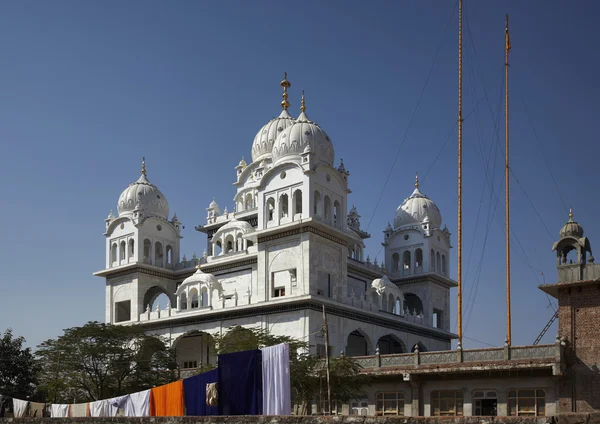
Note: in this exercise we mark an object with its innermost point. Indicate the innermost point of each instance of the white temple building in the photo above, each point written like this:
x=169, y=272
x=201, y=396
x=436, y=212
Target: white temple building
x=291, y=245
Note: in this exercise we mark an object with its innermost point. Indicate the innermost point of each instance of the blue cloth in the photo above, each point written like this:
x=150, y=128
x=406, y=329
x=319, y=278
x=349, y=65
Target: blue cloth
x=240, y=383
x=194, y=394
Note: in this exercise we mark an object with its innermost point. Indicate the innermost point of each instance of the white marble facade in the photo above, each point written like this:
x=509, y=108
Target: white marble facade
x=290, y=245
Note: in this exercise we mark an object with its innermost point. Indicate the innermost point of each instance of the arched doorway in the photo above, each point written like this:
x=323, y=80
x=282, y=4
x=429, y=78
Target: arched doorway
x=390, y=344
x=159, y=295
x=357, y=345
x=195, y=350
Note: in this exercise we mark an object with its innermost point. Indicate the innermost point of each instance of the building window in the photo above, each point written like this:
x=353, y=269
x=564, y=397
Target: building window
x=278, y=291
x=190, y=364
x=390, y=403
x=336, y=408
x=359, y=408
x=324, y=286
x=447, y=403
x=528, y=402
x=485, y=403
x=437, y=318
x=123, y=311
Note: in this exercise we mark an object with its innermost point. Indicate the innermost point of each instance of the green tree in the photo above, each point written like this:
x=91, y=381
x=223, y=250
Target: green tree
x=98, y=361
x=17, y=367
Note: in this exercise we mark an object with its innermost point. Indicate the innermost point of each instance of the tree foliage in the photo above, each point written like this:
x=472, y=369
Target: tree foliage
x=17, y=367
x=98, y=361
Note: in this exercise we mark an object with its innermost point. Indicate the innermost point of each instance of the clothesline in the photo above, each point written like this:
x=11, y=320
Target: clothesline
x=267, y=390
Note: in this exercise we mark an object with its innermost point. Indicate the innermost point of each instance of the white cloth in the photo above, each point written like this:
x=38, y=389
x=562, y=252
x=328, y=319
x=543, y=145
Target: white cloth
x=134, y=405
x=103, y=408
x=277, y=399
x=19, y=407
x=79, y=410
x=59, y=410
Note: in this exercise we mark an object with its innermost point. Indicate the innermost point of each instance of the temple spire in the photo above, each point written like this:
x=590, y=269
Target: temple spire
x=144, y=166
x=285, y=84
x=303, y=106
x=571, y=214
x=417, y=181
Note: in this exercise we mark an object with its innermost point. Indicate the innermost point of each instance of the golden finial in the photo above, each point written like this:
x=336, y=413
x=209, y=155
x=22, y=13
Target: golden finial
x=285, y=84
x=303, y=107
x=417, y=181
x=198, y=265
x=143, y=166
x=571, y=214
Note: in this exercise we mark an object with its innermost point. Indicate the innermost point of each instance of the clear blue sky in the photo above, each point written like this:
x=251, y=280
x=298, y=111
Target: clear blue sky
x=88, y=88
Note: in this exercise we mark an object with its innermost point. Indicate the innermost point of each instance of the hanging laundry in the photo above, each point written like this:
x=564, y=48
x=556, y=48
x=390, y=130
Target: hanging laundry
x=167, y=400
x=36, y=409
x=79, y=410
x=194, y=390
x=277, y=398
x=59, y=410
x=138, y=404
x=19, y=407
x=240, y=383
x=103, y=408
x=212, y=395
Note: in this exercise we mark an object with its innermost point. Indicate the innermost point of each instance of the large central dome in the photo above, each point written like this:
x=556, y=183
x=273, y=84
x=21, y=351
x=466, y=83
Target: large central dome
x=265, y=138
x=304, y=134
x=417, y=209
x=144, y=195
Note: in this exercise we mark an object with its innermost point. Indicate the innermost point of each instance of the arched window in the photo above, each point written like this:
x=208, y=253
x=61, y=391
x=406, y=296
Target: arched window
x=122, y=250
x=357, y=344
x=249, y=204
x=327, y=208
x=398, y=310
x=317, y=205
x=395, y=261
x=158, y=254
x=131, y=248
x=438, y=265
x=147, y=251
x=283, y=206
x=297, y=201
x=391, y=303
x=384, y=303
x=418, y=258
x=443, y=264
x=218, y=248
x=406, y=260
x=375, y=299
x=413, y=304
x=270, y=208
x=336, y=214
x=204, y=297
x=169, y=255
x=113, y=253
x=239, y=242
x=194, y=298
x=432, y=261
x=183, y=301
x=229, y=244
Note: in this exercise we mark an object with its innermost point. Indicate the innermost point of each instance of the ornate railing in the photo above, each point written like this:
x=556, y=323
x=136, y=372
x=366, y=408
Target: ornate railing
x=553, y=353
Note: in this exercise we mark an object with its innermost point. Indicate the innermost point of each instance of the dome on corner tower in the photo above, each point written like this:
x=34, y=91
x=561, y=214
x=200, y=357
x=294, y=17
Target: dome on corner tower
x=417, y=209
x=144, y=195
x=571, y=228
x=304, y=136
x=266, y=136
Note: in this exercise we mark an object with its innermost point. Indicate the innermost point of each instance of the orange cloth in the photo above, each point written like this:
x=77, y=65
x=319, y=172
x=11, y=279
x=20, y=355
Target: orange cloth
x=167, y=400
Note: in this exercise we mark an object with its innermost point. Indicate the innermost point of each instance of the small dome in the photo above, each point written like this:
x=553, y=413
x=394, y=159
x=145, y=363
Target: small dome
x=242, y=163
x=237, y=225
x=381, y=284
x=265, y=138
x=143, y=195
x=302, y=137
x=417, y=209
x=571, y=228
x=198, y=277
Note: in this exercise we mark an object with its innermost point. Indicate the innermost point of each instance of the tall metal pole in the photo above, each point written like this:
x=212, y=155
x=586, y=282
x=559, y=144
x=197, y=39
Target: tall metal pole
x=460, y=122
x=327, y=360
x=507, y=181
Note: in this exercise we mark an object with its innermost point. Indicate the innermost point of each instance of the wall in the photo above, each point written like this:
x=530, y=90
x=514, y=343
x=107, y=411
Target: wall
x=579, y=315
x=569, y=419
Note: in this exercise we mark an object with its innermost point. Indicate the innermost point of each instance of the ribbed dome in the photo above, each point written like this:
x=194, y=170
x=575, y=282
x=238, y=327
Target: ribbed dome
x=417, y=209
x=265, y=138
x=571, y=228
x=199, y=277
x=304, y=134
x=144, y=195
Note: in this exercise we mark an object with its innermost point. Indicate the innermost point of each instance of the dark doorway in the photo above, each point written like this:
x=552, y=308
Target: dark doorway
x=489, y=407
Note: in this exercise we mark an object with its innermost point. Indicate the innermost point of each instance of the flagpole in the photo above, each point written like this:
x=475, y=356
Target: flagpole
x=507, y=202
